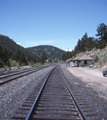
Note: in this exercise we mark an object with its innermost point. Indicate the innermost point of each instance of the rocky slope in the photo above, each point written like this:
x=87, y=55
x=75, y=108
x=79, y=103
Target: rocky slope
x=100, y=57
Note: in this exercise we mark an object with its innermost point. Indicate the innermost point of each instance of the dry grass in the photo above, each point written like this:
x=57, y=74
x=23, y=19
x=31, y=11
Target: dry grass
x=102, y=57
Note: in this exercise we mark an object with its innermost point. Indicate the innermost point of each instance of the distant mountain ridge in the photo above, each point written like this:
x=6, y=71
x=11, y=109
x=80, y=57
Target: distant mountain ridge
x=12, y=48
x=10, y=44
x=53, y=53
x=31, y=53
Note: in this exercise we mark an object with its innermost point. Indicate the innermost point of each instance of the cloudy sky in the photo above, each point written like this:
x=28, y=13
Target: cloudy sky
x=51, y=22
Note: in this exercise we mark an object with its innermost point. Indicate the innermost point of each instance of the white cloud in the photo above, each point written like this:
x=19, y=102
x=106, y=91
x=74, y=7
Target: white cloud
x=68, y=50
x=19, y=44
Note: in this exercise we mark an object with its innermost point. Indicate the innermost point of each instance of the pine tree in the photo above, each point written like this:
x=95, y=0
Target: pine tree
x=1, y=63
x=19, y=56
x=43, y=57
x=63, y=57
x=6, y=57
x=102, y=34
x=83, y=42
x=24, y=59
x=1, y=53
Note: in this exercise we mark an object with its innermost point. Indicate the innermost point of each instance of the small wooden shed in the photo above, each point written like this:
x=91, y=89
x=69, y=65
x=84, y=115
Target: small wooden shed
x=84, y=60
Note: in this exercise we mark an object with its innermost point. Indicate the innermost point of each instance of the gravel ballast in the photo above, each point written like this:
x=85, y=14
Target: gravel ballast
x=95, y=94
x=14, y=93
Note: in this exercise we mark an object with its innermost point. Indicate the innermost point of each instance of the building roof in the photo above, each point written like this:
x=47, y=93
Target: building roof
x=69, y=61
x=76, y=58
x=83, y=57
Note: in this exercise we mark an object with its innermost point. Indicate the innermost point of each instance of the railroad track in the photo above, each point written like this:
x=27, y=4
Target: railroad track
x=15, y=73
x=51, y=100
x=9, y=77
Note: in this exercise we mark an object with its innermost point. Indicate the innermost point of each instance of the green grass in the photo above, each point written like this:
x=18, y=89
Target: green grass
x=40, y=64
x=49, y=63
x=35, y=64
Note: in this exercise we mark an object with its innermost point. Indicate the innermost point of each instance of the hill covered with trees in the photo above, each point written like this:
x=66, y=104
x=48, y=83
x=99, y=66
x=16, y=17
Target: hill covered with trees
x=10, y=50
x=53, y=53
x=88, y=43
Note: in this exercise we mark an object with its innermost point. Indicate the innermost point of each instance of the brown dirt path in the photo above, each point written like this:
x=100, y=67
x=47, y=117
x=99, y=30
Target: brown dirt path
x=92, y=77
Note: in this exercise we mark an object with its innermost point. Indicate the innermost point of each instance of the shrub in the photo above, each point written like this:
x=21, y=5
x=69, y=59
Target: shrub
x=13, y=63
x=96, y=59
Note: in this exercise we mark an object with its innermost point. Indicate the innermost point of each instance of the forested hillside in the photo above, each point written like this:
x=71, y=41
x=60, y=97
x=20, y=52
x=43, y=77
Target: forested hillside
x=10, y=50
x=52, y=52
x=88, y=43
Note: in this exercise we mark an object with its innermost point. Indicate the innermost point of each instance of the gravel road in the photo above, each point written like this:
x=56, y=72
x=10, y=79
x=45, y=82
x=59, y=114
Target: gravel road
x=14, y=93
x=91, y=85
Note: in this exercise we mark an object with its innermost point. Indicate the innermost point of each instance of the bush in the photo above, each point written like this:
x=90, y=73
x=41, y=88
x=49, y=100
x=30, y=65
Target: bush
x=13, y=63
x=105, y=58
x=96, y=59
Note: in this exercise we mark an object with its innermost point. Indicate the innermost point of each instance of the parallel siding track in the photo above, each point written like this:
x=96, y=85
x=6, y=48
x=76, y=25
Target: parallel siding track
x=54, y=101
x=9, y=77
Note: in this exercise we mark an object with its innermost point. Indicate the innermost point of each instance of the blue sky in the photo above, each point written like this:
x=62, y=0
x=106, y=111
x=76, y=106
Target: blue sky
x=51, y=22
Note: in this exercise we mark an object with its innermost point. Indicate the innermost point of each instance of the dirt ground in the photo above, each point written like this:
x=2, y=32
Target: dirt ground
x=93, y=78
x=91, y=85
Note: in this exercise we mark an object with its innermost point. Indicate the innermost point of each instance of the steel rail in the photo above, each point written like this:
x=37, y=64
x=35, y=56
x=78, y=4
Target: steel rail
x=22, y=71
x=76, y=102
x=4, y=76
x=37, y=98
x=8, y=80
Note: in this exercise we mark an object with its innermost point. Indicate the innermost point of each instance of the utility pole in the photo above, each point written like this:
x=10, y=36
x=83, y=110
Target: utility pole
x=68, y=54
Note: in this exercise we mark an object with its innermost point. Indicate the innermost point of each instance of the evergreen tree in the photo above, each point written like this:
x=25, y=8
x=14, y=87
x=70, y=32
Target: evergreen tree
x=18, y=56
x=21, y=57
x=43, y=57
x=63, y=57
x=102, y=34
x=1, y=53
x=38, y=59
x=12, y=48
x=24, y=59
x=83, y=42
x=6, y=57
x=79, y=45
x=1, y=63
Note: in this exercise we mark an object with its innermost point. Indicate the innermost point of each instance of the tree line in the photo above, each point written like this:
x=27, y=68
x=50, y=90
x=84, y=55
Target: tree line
x=88, y=43
x=10, y=51
x=20, y=57
x=53, y=53
x=4, y=56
